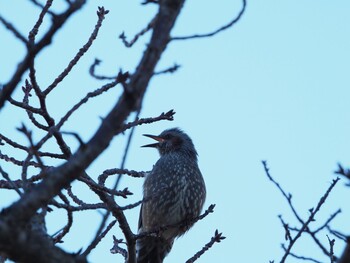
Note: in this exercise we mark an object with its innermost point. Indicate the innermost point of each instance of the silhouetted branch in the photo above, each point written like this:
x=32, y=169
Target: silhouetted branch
x=168, y=70
x=301, y=257
x=343, y=172
x=338, y=234
x=117, y=212
x=136, y=37
x=150, y=2
x=287, y=236
x=217, y=238
x=163, y=116
x=7, y=177
x=102, y=178
x=116, y=249
x=58, y=22
x=36, y=3
x=12, y=29
x=332, y=216
x=100, y=77
x=35, y=30
x=75, y=198
x=227, y=26
x=69, y=224
x=287, y=197
x=18, y=162
x=331, y=249
x=98, y=239
x=126, y=150
x=312, y=211
x=101, y=16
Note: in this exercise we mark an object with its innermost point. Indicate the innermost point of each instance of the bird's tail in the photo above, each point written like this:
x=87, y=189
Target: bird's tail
x=152, y=249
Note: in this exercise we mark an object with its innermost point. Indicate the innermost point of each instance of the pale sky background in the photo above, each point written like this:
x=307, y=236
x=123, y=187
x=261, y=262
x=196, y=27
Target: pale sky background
x=274, y=87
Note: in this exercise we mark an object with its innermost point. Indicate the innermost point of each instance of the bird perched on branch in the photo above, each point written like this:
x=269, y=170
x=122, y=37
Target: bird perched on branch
x=174, y=194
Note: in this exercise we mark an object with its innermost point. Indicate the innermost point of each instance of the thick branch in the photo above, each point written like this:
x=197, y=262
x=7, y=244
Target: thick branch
x=57, y=178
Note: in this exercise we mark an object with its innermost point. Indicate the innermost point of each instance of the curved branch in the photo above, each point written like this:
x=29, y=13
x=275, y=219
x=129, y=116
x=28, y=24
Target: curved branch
x=230, y=24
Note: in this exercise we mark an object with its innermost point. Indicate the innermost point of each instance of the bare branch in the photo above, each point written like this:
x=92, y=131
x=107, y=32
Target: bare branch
x=99, y=77
x=7, y=177
x=36, y=3
x=12, y=29
x=286, y=229
x=58, y=21
x=35, y=30
x=227, y=26
x=344, y=172
x=102, y=178
x=168, y=70
x=18, y=162
x=117, y=212
x=101, y=16
x=150, y=2
x=163, y=116
x=287, y=197
x=217, y=238
x=69, y=224
x=301, y=257
x=116, y=249
x=312, y=211
x=328, y=221
x=98, y=238
x=331, y=249
x=136, y=37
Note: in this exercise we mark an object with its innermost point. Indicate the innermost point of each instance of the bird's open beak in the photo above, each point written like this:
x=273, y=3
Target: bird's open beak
x=154, y=137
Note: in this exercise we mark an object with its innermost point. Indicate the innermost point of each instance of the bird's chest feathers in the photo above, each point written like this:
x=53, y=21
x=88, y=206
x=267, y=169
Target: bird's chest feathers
x=171, y=171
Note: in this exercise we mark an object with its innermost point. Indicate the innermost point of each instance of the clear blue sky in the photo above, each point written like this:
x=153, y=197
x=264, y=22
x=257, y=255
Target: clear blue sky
x=274, y=87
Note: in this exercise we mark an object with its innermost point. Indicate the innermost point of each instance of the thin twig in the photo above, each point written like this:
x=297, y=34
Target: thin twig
x=116, y=249
x=301, y=257
x=328, y=221
x=217, y=238
x=7, y=177
x=230, y=24
x=12, y=29
x=35, y=30
x=36, y=3
x=312, y=211
x=331, y=249
x=101, y=16
x=98, y=238
x=286, y=229
x=171, y=69
x=126, y=150
x=102, y=178
x=163, y=116
x=136, y=37
x=288, y=197
x=99, y=77
x=69, y=224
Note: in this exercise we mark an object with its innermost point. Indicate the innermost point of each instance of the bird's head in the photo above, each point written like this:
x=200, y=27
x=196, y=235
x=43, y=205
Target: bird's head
x=173, y=141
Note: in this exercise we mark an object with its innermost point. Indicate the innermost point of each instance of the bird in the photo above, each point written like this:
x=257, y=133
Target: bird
x=174, y=193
